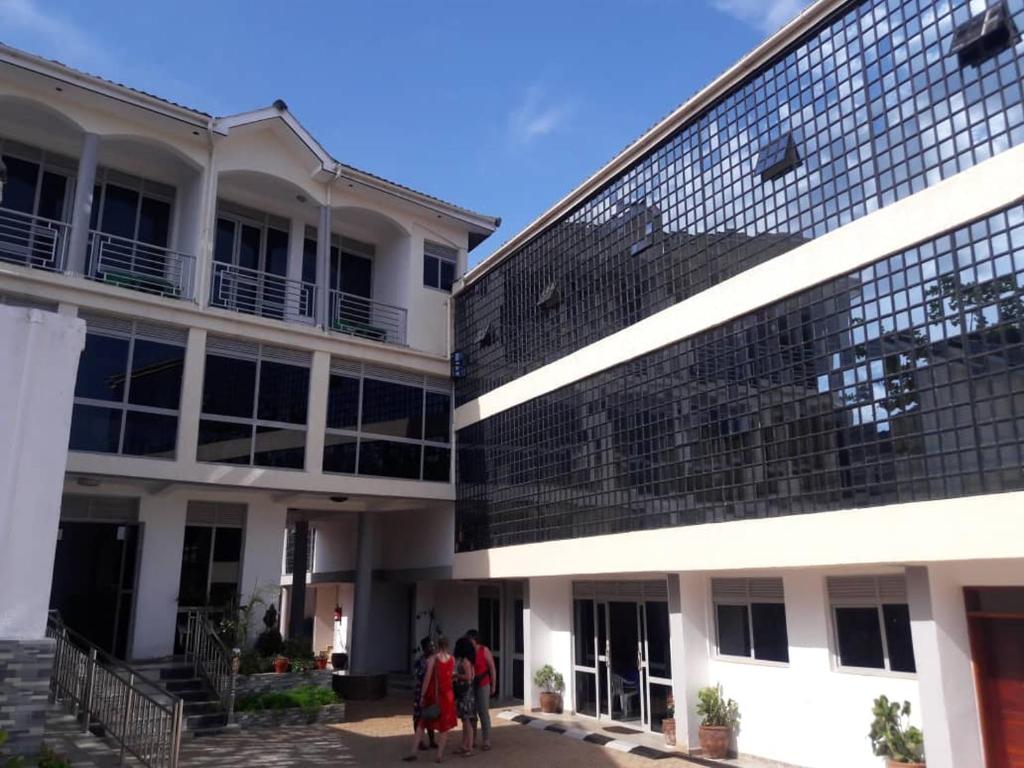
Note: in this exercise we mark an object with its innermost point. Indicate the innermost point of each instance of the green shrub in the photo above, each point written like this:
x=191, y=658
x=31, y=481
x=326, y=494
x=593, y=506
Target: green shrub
x=308, y=698
x=548, y=680
x=47, y=757
x=892, y=735
x=716, y=710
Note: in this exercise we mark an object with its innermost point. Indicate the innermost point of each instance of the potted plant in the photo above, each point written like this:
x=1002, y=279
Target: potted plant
x=321, y=660
x=281, y=664
x=719, y=717
x=668, y=723
x=892, y=736
x=551, y=685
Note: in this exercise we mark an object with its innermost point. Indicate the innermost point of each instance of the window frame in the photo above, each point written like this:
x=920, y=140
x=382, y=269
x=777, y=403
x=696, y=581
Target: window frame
x=255, y=422
x=747, y=602
x=261, y=220
x=124, y=405
x=46, y=162
x=144, y=188
x=438, y=253
x=878, y=603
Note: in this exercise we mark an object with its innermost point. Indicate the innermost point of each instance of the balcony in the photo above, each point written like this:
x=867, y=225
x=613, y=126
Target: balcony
x=140, y=266
x=33, y=241
x=253, y=292
x=366, y=318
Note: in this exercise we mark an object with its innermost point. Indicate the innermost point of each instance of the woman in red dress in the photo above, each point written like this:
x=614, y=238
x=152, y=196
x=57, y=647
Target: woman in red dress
x=437, y=688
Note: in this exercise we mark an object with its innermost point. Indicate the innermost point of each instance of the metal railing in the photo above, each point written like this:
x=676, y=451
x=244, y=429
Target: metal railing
x=140, y=266
x=33, y=240
x=262, y=293
x=211, y=658
x=100, y=690
x=366, y=318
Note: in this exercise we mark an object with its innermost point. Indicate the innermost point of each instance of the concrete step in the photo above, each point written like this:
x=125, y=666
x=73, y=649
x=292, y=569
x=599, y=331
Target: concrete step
x=202, y=707
x=176, y=685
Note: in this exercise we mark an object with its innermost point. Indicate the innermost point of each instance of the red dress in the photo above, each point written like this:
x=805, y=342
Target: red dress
x=443, y=671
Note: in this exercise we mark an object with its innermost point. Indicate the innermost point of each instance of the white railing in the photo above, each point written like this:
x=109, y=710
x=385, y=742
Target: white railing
x=113, y=696
x=33, y=240
x=262, y=293
x=211, y=658
x=366, y=318
x=140, y=266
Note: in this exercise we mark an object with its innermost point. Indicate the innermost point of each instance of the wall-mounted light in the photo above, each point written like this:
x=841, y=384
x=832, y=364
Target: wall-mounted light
x=301, y=198
x=339, y=499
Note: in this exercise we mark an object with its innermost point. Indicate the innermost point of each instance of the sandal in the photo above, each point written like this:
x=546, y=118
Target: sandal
x=409, y=758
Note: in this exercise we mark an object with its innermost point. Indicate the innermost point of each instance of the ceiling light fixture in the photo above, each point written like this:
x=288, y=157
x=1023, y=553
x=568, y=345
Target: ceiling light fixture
x=339, y=499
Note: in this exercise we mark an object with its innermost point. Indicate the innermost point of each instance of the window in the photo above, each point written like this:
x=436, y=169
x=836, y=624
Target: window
x=750, y=618
x=387, y=424
x=871, y=622
x=255, y=400
x=439, y=266
x=250, y=252
x=777, y=157
x=983, y=36
x=38, y=184
x=211, y=556
x=128, y=389
x=289, y=549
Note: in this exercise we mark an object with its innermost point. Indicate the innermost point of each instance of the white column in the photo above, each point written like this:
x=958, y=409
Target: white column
x=192, y=216
x=323, y=265
x=40, y=352
x=316, y=420
x=547, y=626
x=204, y=242
x=261, y=558
x=690, y=670
x=296, y=243
x=942, y=653
x=361, y=631
x=191, y=396
x=82, y=210
x=163, y=536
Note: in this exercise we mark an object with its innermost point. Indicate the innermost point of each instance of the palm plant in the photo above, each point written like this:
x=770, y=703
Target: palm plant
x=892, y=735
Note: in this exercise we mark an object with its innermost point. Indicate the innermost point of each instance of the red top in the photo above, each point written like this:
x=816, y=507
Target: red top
x=482, y=671
x=441, y=683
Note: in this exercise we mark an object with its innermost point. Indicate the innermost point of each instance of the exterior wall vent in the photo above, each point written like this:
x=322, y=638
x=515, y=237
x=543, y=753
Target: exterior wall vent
x=777, y=157
x=983, y=36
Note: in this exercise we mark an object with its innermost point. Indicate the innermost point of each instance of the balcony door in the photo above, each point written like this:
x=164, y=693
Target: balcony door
x=251, y=266
x=36, y=199
x=352, y=276
x=131, y=230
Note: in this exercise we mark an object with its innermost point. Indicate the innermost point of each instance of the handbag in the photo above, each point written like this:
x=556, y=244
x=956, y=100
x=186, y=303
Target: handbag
x=433, y=712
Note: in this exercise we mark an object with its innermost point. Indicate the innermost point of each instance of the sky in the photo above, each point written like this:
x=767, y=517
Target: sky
x=501, y=107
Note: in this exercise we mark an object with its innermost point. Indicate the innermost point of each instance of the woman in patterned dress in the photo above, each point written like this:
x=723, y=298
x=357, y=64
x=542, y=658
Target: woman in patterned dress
x=426, y=651
x=437, y=688
x=465, y=694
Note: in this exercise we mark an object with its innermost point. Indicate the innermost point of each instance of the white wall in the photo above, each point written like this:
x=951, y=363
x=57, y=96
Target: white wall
x=162, y=521
x=389, y=628
x=455, y=609
x=336, y=543
x=547, y=625
x=261, y=556
x=39, y=353
x=416, y=539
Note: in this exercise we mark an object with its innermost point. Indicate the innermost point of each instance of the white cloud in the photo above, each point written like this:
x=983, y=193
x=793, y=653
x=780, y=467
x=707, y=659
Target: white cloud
x=41, y=31
x=537, y=116
x=766, y=15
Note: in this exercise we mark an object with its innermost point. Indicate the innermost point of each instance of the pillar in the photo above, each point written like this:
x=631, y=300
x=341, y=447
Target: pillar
x=163, y=537
x=300, y=565
x=261, y=556
x=360, y=657
x=82, y=211
x=40, y=352
x=319, y=383
x=294, y=294
x=191, y=396
x=323, y=266
x=949, y=712
x=547, y=625
x=687, y=605
x=193, y=224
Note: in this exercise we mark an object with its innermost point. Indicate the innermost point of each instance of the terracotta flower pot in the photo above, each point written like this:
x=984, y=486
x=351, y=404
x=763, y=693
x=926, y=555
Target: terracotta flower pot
x=714, y=740
x=890, y=763
x=668, y=730
x=280, y=666
x=321, y=663
x=549, y=702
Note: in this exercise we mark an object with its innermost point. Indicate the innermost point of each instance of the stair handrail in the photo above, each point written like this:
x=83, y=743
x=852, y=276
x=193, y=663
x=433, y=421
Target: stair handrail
x=211, y=658
x=96, y=691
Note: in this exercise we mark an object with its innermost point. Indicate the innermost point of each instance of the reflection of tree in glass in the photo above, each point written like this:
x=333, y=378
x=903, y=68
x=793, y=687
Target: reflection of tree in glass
x=969, y=300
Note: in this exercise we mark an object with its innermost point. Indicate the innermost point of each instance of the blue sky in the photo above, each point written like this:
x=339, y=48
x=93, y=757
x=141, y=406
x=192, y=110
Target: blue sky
x=499, y=106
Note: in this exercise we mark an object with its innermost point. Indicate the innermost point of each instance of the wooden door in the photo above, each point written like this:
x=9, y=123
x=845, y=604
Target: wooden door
x=998, y=647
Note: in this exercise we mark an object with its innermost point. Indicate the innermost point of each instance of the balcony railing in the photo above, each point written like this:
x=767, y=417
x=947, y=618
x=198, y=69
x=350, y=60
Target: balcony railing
x=366, y=318
x=140, y=266
x=33, y=241
x=262, y=293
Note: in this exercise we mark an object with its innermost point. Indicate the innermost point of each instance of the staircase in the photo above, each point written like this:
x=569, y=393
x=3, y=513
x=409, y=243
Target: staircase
x=204, y=714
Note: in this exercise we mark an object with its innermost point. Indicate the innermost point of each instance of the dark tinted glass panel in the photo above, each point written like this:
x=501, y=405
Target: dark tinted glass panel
x=343, y=403
x=437, y=464
x=356, y=275
x=387, y=459
x=195, y=565
x=430, y=271
x=895, y=383
x=150, y=434
x=340, y=454
x=860, y=637
x=517, y=644
x=95, y=429
x=898, y=639
x=229, y=386
x=438, y=417
x=733, y=630
x=392, y=409
x=277, y=252
x=51, y=196
x=771, y=641
x=102, y=368
x=282, y=448
x=227, y=545
x=120, y=211
x=154, y=221
x=586, y=693
x=224, y=243
x=877, y=117
x=224, y=442
x=249, y=249
x=447, y=275
x=309, y=261
x=583, y=632
x=659, y=653
x=20, y=189
x=284, y=392
x=518, y=681
x=156, y=374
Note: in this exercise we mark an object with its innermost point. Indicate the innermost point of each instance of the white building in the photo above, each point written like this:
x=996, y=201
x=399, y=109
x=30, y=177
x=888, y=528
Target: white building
x=268, y=341
x=745, y=406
